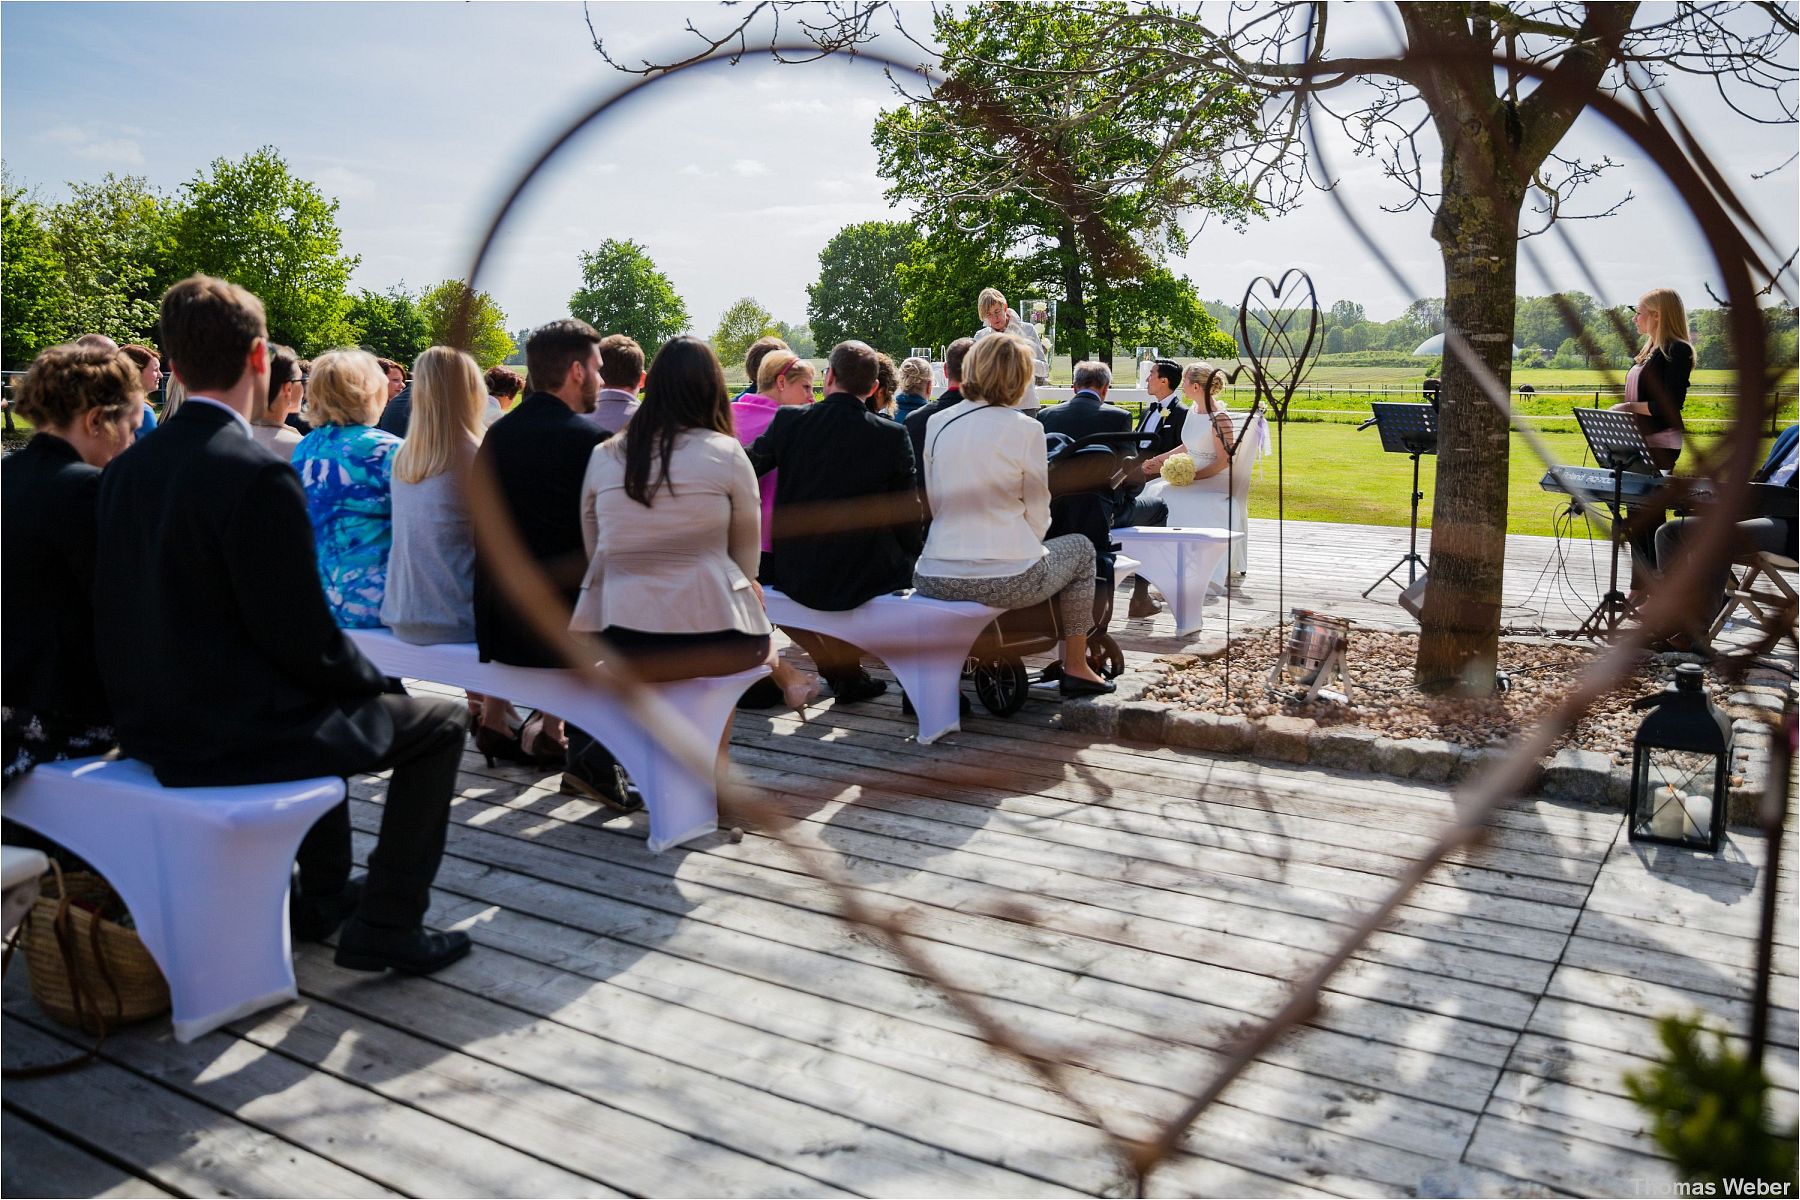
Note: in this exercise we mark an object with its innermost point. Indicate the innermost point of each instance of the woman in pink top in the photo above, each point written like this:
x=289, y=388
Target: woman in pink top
x=783, y=378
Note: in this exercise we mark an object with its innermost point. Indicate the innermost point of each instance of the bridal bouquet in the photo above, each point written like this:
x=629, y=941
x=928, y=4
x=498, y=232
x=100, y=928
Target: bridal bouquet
x=1178, y=470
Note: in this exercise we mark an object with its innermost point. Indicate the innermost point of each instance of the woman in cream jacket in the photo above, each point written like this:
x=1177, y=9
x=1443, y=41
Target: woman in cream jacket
x=672, y=520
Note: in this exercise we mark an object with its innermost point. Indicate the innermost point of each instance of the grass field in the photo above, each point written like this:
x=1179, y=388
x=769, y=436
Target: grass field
x=1334, y=473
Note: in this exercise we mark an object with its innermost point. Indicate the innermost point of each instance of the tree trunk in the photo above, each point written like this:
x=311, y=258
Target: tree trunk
x=1071, y=315
x=1477, y=227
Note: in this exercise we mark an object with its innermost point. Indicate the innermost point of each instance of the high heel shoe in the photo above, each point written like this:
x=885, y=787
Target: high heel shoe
x=494, y=744
x=801, y=692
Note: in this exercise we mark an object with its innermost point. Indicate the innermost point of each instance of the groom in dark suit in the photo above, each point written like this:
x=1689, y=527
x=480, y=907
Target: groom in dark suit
x=221, y=659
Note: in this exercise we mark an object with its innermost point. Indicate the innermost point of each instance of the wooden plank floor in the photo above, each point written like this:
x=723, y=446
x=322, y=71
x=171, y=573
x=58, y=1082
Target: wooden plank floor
x=704, y=1023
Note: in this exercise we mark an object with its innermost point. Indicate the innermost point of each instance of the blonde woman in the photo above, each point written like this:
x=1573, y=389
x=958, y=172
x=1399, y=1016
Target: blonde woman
x=430, y=595
x=915, y=388
x=1655, y=389
x=1657, y=385
x=997, y=317
x=346, y=467
x=989, y=484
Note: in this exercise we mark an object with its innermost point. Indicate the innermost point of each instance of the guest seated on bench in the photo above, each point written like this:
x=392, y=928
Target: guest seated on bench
x=346, y=467
x=85, y=403
x=536, y=456
x=430, y=596
x=989, y=482
x=221, y=657
x=671, y=519
x=847, y=513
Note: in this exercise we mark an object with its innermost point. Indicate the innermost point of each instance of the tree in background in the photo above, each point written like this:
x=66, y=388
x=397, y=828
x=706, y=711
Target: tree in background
x=1086, y=180
x=798, y=337
x=33, y=295
x=486, y=337
x=257, y=224
x=388, y=324
x=111, y=240
x=941, y=277
x=857, y=295
x=623, y=292
x=742, y=324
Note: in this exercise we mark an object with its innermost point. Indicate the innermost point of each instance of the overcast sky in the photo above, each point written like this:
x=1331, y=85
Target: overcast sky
x=418, y=116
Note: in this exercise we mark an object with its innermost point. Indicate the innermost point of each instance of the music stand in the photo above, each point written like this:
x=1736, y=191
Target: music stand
x=1407, y=429
x=1617, y=445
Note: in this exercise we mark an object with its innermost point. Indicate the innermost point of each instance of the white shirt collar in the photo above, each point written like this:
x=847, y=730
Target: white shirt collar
x=235, y=414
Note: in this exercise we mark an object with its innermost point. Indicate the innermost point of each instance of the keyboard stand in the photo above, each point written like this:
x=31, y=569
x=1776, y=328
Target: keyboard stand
x=1617, y=446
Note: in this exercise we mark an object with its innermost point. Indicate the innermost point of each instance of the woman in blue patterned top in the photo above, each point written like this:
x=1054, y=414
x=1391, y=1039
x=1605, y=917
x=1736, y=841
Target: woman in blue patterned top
x=346, y=466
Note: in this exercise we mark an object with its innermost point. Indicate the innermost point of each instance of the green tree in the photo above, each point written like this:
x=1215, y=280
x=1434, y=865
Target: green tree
x=798, y=337
x=857, y=295
x=1334, y=340
x=742, y=324
x=1713, y=353
x=256, y=223
x=111, y=243
x=1085, y=176
x=33, y=294
x=1569, y=355
x=389, y=324
x=486, y=337
x=623, y=292
x=1345, y=313
x=1161, y=309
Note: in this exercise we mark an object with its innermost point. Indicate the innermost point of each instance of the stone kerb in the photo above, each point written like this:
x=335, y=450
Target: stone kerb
x=1571, y=774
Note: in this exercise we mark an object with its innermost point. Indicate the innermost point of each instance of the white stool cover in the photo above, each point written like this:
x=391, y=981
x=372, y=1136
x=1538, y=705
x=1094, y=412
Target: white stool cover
x=924, y=642
x=682, y=806
x=21, y=870
x=204, y=872
x=1180, y=562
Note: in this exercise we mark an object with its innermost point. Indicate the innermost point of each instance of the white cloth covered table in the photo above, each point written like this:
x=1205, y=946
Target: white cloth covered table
x=923, y=641
x=1180, y=562
x=682, y=805
x=204, y=872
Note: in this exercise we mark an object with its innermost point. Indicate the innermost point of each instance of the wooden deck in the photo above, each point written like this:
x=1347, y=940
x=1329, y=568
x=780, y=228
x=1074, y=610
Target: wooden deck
x=703, y=1023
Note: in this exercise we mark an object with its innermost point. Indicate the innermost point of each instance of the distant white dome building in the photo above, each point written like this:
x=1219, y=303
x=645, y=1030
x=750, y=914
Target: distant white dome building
x=1433, y=347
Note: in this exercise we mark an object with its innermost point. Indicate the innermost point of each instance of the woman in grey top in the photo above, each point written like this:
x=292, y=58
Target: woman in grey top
x=431, y=569
x=287, y=387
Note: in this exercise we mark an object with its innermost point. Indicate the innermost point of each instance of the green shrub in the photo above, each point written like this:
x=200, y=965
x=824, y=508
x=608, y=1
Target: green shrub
x=1709, y=1110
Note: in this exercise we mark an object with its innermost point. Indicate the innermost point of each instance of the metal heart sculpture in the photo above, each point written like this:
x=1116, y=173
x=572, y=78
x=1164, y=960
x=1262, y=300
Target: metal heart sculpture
x=1279, y=336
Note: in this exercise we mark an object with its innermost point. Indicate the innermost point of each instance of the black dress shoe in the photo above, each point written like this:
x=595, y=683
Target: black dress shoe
x=1141, y=603
x=863, y=687
x=315, y=918
x=417, y=951
x=1073, y=686
x=613, y=788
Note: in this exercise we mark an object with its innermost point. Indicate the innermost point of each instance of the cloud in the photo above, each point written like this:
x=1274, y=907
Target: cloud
x=749, y=168
x=97, y=147
x=864, y=108
x=343, y=183
x=697, y=171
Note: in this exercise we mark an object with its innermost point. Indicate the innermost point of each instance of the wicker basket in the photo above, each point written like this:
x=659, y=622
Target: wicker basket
x=86, y=969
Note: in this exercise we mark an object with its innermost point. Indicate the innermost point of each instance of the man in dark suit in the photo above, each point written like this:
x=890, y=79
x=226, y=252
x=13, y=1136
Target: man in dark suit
x=537, y=455
x=1087, y=411
x=847, y=519
x=1165, y=414
x=916, y=420
x=222, y=661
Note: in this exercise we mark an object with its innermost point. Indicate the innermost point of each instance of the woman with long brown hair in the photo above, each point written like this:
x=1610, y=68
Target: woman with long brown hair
x=672, y=521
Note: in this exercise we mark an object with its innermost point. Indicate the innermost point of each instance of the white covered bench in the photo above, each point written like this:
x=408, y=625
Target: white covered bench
x=204, y=872
x=1179, y=561
x=924, y=642
x=682, y=805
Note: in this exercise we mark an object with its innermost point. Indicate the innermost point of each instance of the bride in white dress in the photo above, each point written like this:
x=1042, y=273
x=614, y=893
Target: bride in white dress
x=1206, y=503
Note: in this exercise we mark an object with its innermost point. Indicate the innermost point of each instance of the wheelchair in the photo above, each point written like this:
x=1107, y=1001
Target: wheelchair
x=1085, y=475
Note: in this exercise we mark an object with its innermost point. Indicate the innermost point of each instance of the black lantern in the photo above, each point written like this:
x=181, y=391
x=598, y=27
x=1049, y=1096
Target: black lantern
x=1678, y=773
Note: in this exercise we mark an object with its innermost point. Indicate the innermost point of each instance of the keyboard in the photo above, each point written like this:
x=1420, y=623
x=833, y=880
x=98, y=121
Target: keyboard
x=1599, y=483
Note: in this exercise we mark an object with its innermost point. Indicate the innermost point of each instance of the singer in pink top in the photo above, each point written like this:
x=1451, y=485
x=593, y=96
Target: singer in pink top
x=783, y=378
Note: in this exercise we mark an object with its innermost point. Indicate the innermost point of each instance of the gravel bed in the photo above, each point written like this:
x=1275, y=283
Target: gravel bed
x=1384, y=699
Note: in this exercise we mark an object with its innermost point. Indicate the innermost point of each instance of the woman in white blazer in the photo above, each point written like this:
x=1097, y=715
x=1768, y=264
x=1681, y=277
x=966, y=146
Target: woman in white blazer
x=672, y=519
x=989, y=486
